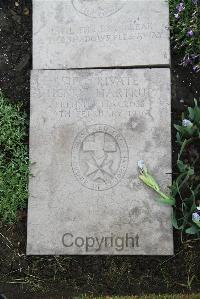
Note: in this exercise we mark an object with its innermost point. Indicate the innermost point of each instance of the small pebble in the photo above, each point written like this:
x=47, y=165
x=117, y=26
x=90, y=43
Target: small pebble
x=26, y=11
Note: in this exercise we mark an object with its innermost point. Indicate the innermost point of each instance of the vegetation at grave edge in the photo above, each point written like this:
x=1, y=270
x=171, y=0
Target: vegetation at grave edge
x=13, y=160
x=186, y=187
x=185, y=31
x=183, y=296
x=185, y=190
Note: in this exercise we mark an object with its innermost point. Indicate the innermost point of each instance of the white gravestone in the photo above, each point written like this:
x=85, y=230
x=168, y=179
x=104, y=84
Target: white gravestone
x=88, y=129
x=100, y=33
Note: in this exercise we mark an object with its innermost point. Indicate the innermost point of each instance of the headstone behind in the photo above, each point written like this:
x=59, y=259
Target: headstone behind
x=88, y=130
x=100, y=33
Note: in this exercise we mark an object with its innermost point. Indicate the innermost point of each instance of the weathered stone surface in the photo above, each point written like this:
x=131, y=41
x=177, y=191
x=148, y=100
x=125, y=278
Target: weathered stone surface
x=88, y=129
x=100, y=33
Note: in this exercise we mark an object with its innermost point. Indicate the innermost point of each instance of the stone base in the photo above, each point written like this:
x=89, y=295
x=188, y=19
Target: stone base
x=88, y=129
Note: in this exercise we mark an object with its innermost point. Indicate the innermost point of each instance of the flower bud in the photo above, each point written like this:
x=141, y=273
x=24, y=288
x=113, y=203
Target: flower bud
x=187, y=123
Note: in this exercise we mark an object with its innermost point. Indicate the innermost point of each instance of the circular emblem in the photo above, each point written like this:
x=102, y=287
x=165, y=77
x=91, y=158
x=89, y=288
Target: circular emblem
x=99, y=157
x=98, y=8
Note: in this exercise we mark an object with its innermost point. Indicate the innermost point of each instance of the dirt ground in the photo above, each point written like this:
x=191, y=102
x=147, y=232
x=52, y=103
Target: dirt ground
x=30, y=277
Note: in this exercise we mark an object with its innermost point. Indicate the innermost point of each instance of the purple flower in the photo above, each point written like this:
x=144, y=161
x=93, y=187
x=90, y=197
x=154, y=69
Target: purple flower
x=180, y=7
x=187, y=60
x=196, y=216
x=196, y=68
x=190, y=33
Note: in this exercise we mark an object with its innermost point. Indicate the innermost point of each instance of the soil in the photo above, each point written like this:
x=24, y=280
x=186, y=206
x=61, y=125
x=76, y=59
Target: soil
x=53, y=276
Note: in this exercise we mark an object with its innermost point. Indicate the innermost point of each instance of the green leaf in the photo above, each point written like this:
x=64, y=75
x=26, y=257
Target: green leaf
x=191, y=171
x=192, y=230
x=179, y=128
x=182, y=148
x=191, y=113
x=197, y=223
x=181, y=166
x=175, y=222
x=178, y=137
x=166, y=201
x=149, y=181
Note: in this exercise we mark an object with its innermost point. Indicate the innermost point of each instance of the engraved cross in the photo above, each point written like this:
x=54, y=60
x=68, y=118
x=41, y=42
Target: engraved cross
x=99, y=146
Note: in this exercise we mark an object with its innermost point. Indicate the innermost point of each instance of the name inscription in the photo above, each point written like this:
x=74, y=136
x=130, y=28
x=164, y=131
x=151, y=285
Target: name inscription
x=101, y=95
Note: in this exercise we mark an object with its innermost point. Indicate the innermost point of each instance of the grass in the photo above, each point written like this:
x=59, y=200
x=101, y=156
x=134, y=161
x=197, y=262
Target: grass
x=13, y=160
x=185, y=31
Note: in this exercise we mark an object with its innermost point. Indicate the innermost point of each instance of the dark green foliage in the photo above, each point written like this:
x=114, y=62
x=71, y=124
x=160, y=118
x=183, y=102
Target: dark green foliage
x=186, y=187
x=13, y=161
x=185, y=31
